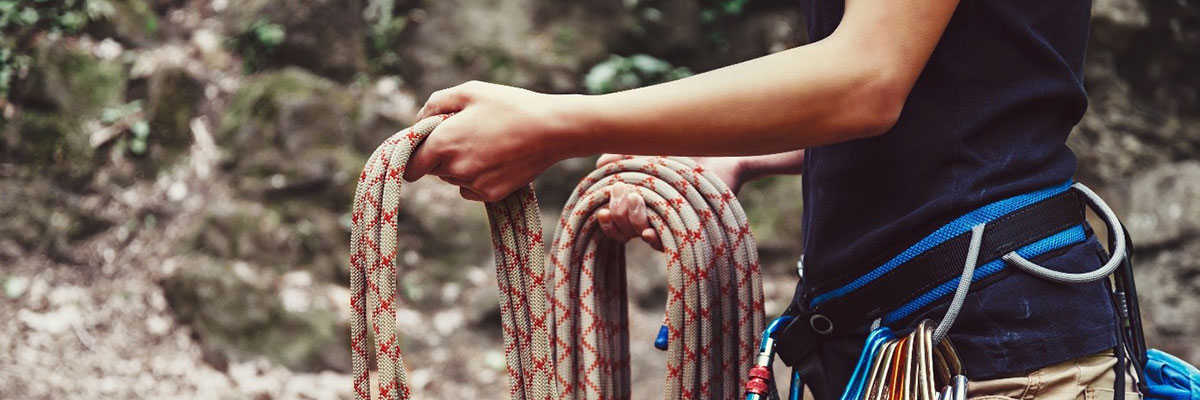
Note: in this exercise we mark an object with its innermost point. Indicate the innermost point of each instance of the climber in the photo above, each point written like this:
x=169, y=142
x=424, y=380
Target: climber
x=903, y=116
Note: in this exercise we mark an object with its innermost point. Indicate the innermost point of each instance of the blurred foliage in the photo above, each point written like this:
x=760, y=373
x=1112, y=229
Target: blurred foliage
x=257, y=43
x=20, y=17
x=619, y=73
x=128, y=118
x=10, y=65
x=715, y=14
x=20, y=20
x=714, y=10
x=386, y=19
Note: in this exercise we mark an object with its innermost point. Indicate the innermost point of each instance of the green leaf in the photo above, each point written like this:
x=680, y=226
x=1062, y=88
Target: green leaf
x=649, y=65
x=27, y=16
x=140, y=130
x=72, y=20
x=137, y=146
x=110, y=115
x=734, y=7
x=270, y=35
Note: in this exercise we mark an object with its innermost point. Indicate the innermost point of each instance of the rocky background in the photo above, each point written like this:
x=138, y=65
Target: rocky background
x=175, y=177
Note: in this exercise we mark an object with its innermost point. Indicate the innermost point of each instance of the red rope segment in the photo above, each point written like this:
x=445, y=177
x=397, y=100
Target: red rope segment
x=566, y=327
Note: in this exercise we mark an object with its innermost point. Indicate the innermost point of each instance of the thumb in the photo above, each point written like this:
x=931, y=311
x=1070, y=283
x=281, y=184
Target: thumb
x=420, y=163
x=444, y=101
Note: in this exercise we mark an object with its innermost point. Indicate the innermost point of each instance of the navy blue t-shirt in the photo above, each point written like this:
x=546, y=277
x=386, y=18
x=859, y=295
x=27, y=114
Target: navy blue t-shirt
x=987, y=120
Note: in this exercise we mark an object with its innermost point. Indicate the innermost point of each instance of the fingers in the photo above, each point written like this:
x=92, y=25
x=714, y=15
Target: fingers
x=420, y=163
x=651, y=238
x=614, y=218
x=469, y=194
x=454, y=181
x=626, y=217
x=445, y=101
x=607, y=158
x=640, y=222
x=604, y=217
x=637, y=219
x=620, y=202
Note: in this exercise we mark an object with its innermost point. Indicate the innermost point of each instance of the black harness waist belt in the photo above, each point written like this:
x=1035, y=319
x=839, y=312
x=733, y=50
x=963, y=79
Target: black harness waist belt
x=1031, y=224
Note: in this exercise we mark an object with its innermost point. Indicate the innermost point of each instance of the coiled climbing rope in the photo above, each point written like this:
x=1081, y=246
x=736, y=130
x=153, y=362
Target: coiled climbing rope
x=566, y=325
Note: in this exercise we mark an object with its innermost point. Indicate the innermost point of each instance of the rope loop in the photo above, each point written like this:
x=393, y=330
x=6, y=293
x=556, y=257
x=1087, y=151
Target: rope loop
x=566, y=323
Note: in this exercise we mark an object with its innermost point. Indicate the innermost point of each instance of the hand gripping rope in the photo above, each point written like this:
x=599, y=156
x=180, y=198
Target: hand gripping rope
x=566, y=324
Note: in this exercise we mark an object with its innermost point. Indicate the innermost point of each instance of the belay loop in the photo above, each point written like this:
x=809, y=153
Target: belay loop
x=566, y=324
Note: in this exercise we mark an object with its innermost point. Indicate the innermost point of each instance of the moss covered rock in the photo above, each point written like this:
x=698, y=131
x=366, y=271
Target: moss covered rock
x=131, y=21
x=238, y=314
x=279, y=237
x=290, y=110
x=324, y=36
x=65, y=87
x=290, y=135
x=70, y=81
x=41, y=219
x=173, y=98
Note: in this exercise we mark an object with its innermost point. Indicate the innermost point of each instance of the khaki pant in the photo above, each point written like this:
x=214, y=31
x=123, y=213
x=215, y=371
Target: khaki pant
x=1085, y=378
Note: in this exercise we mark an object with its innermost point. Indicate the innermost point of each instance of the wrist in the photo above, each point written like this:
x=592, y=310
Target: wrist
x=570, y=126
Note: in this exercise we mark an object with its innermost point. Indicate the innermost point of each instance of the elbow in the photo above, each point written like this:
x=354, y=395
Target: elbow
x=876, y=106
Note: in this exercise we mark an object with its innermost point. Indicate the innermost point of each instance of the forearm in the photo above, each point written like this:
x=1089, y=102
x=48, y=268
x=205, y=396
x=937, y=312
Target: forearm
x=849, y=85
x=799, y=98
x=757, y=167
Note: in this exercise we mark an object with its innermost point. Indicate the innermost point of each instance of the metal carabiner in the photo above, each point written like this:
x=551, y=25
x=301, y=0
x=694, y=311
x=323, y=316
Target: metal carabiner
x=758, y=384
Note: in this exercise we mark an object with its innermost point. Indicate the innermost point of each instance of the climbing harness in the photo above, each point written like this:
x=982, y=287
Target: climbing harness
x=566, y=323
x=1006, y=233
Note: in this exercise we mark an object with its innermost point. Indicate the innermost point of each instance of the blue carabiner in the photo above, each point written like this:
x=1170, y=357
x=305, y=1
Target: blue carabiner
x=760, y=372
x=858, y=380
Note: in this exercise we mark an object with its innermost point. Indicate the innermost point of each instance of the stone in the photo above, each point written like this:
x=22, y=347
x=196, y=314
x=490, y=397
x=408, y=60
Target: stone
x=1164, y=205
x=1143, y=92
x=291, y=134
x=290, y=110
x=65, y=87
x=69, y=80
x=233, y=315
x=131, y=21
x=327, y=37
x=173, y=99
x=42, y=219
x=533, y=44
x=1168, y=282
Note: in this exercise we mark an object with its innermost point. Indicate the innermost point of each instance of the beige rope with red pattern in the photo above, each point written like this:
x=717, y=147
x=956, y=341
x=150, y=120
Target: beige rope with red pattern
x=566, y=327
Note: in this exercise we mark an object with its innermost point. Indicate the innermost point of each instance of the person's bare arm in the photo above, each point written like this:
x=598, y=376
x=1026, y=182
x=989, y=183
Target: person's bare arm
x=850, y=85
x=625, y=218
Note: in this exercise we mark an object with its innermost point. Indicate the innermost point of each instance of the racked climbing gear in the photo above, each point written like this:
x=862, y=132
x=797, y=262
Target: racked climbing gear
x=565, y=324
x=911, y=367
x=1005, y=233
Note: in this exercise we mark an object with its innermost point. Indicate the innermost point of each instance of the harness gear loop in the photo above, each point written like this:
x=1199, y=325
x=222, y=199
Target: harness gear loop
x=566, y=323
x=1118, y=254
x=1115, y=259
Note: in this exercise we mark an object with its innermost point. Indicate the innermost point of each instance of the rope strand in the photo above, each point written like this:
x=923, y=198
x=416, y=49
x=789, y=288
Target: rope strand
x=566, y=324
